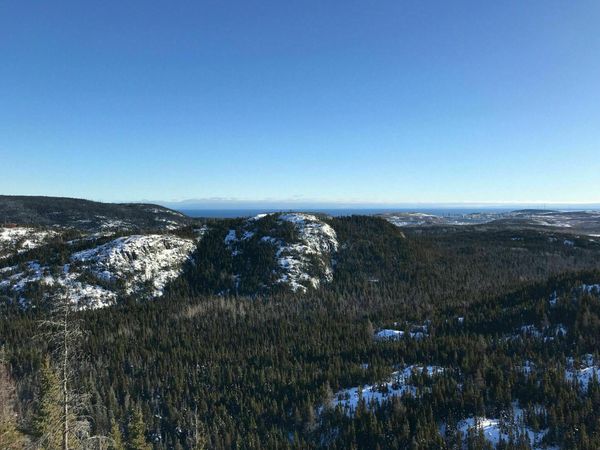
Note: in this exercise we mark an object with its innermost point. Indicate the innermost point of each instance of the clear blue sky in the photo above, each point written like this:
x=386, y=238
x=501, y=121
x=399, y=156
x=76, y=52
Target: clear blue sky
x=384, y=101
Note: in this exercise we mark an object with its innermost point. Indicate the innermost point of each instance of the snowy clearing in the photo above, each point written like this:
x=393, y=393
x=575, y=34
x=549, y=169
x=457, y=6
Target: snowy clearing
x=378, y=393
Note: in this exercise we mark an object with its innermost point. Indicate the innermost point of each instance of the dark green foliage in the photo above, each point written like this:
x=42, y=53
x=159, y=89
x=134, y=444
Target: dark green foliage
x=255, y=371
x=47, y=422
x=84, y=214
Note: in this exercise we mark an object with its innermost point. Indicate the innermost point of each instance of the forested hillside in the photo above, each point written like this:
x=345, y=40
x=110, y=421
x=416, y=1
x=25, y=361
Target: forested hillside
x=87, y=215
x=305, y=332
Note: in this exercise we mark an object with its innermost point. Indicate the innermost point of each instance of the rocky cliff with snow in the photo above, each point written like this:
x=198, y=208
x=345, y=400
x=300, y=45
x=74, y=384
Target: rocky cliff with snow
x=299, y=249
x=105, y=258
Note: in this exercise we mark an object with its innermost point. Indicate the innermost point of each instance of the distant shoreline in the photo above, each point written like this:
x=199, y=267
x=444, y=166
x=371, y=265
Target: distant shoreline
x=242, y=212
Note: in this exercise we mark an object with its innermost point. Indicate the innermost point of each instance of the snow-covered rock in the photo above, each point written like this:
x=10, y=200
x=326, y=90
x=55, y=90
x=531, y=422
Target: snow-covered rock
x=20, y=239
x=82, y=294
x=317, y=241
x=137, y=261
x=301, y=263
x=140, y=264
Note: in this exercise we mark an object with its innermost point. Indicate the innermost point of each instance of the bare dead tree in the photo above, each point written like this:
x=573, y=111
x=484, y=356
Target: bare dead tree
x=63, y=333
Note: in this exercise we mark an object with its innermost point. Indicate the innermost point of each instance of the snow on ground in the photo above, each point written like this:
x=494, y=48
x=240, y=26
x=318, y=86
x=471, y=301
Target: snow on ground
x=583, y=372
x=548, y=333
x=591, y=288
x=302, y=264
x=388, y=334
x=580, y=372
x=137, y=261
x=82, y=294
x=20, y=239
x=496, y=430
x=527, y=367
x=378, y=393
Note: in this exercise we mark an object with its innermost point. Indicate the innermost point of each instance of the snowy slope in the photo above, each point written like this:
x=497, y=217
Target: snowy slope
x=16, y=280
x=20, y=239
x=140, y=264
x=301, y=262
x=582, y=373
x=137, y=261
x=510, y=426
x=378, y=393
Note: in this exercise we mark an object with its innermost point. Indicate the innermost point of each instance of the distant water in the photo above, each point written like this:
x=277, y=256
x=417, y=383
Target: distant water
x=233, y=213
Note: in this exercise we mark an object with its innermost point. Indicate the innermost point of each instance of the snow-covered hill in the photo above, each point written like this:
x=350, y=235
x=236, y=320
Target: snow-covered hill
x=20, y=239
x=23, y=281
x=292, y=250
x=302, y=255
x=96, y=277
x=136, y=261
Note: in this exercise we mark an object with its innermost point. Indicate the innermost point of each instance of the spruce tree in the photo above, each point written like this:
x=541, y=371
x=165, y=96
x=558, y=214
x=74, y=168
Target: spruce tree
x=48, y=416
x=116, y=438
x=136, y=432
x=10, y=437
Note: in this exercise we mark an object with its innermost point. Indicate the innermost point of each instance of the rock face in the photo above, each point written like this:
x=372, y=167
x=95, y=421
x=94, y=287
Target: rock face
x=94, y=278
x=302, y=247
x=310, y=255
x=137, y=261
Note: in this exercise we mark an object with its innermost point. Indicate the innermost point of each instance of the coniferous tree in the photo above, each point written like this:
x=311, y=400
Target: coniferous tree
x=116, y=437
x=48, y=417
x=136, y=432
x=11, y=437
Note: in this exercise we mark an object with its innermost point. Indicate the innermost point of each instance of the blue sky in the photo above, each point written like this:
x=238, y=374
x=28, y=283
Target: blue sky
x=327, y=101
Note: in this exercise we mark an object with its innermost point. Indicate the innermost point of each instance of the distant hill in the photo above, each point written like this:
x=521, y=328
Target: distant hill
x=87, y=215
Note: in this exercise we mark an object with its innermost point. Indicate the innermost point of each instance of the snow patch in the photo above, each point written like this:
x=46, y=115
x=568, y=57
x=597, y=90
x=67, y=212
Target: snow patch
x=21, y=239
x=378, y=393
x=582, y=373
x=396, y=335
x=497, y=430
x=82, y=294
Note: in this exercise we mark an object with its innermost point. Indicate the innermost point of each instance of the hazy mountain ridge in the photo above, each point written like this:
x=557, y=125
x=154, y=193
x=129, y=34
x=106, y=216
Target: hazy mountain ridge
x=585, y=222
